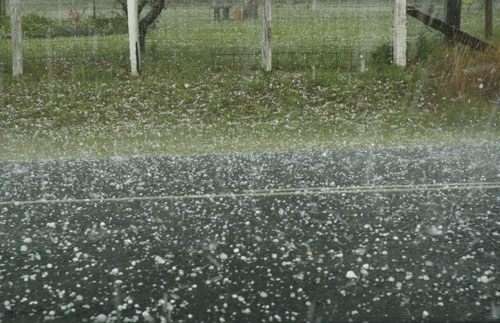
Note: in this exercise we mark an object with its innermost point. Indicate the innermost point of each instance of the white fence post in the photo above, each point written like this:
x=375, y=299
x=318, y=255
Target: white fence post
x=16, y=37
x=400, y=33
x=133, y=36
x=266, y=37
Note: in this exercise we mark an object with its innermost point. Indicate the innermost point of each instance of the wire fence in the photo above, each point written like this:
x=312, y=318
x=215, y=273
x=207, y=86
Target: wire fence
x=346, y=60
x=74, y=35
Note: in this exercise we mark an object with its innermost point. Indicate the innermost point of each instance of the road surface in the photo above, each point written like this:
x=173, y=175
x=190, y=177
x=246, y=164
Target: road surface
x=399, y=234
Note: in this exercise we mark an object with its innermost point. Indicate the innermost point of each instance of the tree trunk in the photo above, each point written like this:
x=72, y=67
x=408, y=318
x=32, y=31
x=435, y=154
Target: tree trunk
x=250, y=9
x=142, y=37
x=453, y=12
x=155, y=10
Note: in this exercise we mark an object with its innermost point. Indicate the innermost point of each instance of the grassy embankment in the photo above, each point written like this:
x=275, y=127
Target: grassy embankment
x=76, y=98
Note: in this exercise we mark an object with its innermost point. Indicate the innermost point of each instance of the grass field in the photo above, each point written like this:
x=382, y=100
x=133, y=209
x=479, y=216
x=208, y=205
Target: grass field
x=77, y=99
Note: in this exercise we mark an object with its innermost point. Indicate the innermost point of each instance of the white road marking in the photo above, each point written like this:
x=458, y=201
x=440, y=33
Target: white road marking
x=277, y=192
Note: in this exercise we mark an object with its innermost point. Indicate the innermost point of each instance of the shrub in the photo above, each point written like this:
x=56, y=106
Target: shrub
x=383, y=55
x=35, y=26
x=425, y=48
x=461, y=72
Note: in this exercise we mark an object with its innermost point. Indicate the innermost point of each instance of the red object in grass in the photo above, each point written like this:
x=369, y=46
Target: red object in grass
x=237, y=14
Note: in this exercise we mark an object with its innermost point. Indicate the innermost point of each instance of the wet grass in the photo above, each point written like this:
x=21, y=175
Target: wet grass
x=226, y=111
x=185, y=101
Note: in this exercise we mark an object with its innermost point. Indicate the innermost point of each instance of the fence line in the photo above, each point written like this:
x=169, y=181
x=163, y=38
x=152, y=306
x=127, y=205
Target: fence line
x=346, y=60
x=335, y=31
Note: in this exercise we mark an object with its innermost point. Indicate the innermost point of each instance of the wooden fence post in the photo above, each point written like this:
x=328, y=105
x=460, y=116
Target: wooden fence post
x=453, y=17
x=266, y=37
x=400, y=33
x=488, y=25
x=16, y=37
x=94, y=11
x=133, y=36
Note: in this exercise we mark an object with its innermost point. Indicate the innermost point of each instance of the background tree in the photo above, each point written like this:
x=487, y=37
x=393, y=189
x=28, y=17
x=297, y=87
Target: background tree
x=154, y=8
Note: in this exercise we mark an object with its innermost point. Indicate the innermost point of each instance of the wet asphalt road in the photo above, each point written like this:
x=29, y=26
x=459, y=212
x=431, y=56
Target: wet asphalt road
x=321, y=236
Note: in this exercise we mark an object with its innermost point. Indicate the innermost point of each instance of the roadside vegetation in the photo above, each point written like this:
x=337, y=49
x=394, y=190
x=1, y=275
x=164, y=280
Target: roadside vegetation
x=201, y=90
x=36, y=26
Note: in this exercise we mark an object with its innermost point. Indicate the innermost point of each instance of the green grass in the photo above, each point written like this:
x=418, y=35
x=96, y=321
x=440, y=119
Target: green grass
x=77, y=99
x=229, y=112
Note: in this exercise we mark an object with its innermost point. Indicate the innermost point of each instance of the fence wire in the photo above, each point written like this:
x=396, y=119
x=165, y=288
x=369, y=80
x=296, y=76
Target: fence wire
x=78, y=35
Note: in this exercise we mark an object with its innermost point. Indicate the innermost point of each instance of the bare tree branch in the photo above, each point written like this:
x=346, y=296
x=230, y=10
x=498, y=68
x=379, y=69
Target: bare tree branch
x=155, y=9
x=142, y=4
x=123, y=4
